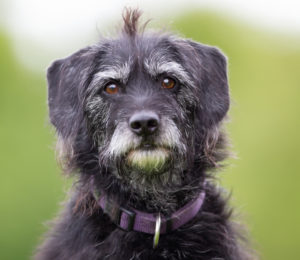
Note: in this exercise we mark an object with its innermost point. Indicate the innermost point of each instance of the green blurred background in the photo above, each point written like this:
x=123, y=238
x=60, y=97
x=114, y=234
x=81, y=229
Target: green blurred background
x=264, y=73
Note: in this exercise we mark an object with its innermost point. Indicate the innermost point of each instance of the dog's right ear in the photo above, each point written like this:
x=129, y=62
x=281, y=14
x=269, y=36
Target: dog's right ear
x=65, y=78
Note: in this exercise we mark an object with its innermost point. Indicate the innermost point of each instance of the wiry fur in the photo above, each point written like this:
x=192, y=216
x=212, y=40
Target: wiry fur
x=96, y=143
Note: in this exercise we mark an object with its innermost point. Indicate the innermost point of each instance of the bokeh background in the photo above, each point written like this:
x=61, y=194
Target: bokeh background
x=262, y=42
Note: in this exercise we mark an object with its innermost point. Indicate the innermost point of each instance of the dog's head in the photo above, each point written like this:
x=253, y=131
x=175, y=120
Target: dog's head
x=145, y=106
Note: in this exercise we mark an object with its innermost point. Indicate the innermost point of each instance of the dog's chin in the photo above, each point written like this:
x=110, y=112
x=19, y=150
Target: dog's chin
x=149, y=161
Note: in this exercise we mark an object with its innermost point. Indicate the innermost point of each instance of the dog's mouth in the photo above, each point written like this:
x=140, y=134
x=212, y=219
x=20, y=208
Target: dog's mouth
x=148, y=158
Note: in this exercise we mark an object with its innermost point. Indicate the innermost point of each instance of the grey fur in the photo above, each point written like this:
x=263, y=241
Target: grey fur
x=157, y=172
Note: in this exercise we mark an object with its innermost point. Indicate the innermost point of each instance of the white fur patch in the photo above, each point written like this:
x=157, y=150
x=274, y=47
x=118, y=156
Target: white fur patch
x=170, y=136
x=122, y=140
x=148, y=160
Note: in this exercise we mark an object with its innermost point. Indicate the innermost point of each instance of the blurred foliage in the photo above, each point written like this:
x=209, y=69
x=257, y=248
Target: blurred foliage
x=30, y=185
x=265, y=87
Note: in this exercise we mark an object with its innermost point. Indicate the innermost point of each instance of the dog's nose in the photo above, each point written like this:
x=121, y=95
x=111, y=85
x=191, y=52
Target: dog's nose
x=144, y=122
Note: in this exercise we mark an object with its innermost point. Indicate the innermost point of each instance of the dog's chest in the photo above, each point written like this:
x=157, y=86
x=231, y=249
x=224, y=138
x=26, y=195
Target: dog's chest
x=139, y=246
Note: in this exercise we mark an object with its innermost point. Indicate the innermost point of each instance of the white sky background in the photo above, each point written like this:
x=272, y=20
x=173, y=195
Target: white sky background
x=59, y=27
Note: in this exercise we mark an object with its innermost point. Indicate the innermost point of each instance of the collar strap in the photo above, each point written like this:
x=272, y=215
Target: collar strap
x=132, y=219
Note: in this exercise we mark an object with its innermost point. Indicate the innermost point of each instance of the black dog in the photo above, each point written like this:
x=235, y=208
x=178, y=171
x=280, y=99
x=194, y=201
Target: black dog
x=138, y=119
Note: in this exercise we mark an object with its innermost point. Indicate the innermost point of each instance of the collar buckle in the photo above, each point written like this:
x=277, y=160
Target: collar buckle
x=123, y=218
x=130, y=216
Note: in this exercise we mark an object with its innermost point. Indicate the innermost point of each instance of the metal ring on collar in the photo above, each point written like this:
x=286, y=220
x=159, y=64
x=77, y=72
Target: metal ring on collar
x=157, y=231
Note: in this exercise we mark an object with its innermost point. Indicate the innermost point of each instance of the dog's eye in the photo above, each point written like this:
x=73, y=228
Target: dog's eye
x=111, y=88
x=168, y=83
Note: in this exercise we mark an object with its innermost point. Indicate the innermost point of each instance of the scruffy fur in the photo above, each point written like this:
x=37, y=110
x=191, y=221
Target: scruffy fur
x=97, y=145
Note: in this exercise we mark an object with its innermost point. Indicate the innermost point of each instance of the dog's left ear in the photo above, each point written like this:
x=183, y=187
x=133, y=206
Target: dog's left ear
x=211, y=66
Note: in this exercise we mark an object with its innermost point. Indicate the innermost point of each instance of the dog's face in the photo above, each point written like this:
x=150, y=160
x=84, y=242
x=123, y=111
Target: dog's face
x=145, y=104
x=138, y=108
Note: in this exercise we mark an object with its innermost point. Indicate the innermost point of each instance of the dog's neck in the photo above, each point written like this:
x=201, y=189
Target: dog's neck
x=132, y=219
x=165, y=199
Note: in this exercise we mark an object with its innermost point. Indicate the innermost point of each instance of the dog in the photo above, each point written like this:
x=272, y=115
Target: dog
x=139, y=123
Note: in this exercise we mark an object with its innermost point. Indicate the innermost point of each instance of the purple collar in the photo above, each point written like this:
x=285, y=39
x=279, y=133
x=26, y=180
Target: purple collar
x=151, y=223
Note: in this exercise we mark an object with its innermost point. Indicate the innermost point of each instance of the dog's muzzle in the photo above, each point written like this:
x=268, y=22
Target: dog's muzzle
x=148, y=156
x=145, y=141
